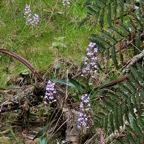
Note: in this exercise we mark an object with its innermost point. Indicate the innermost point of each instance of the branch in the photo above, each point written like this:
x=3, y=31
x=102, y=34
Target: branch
x=111, y=83
x=22, y=60
x=133, y=61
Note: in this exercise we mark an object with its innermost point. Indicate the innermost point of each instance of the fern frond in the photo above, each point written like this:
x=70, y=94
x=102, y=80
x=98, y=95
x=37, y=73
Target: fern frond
x=121, y=25
x=123, y=107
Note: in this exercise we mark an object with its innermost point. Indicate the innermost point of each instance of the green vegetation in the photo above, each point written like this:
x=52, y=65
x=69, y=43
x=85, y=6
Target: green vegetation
x=96, y=100
x=57, y=34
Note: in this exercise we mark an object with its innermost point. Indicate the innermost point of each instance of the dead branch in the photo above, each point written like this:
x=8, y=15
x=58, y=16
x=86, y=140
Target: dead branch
x=111, y=83
x=133, y=61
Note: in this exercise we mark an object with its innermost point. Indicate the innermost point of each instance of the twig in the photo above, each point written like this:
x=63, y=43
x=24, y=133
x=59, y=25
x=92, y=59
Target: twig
x=133, y=61
x=102, y=140
x=111, y=83
x=116, y=134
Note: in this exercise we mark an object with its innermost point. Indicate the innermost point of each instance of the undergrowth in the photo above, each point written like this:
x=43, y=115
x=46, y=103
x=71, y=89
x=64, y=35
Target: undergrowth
x=87, y=91
x=57, y=34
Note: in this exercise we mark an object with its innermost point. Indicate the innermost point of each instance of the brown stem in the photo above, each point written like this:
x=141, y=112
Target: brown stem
x=22, y=60
x=111, y=83
x=131, y=62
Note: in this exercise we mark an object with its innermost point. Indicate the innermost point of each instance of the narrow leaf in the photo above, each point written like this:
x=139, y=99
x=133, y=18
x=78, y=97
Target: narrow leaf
x=63, y=82
x=135, y=73
x=41, y=132
x=109, y=14
x=106, y=122
x=77, y=85
x=116, y=118
x=122, y=10
x=114, y=56
x=111, y=122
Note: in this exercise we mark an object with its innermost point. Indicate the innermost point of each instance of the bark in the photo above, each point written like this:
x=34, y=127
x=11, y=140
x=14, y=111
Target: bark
x=133, y=61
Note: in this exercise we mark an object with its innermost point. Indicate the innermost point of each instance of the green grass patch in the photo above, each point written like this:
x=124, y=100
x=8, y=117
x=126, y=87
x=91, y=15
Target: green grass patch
x=57, y=34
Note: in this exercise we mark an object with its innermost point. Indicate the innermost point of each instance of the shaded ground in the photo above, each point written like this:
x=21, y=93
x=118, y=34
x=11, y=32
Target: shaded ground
x=25, y=115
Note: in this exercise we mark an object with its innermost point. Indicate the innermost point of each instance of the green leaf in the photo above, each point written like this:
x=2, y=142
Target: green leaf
x=101, y=114
x=82, y=22
x=124, y=106
x=124, y=29
x=140, y=122
x=138, y=102
x=106, y=122
x=115, y=8
x=63, y=82
x=109, y=37
x=105, y=82
x=43, y=140
x=101, y=4
x=118, y=34
x=100, y=41
x=135, y=73
x=130, y=139
x=133, y=80
x=116, y=95
x=127, y=114
x=140, y=68
x=137, y=128
x=131, y=108
x=108, y=104
x=120, y=115
x=116, y=118
x=77, y=85
x=124, y=90
x=137, y=42
x=122, y=10
x=111, y=122
x=109, y=14
x=119, y=141
x=91, y=9
x=25, y=72
x=113, y=52
x=41, y=132
x=101, y=18
x=131, y=86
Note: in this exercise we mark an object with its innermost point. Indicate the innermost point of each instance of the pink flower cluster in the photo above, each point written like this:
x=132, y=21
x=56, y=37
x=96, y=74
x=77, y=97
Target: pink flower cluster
x=90, y=61
x=50, y=92
x=30, y=20
x=84, y=110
